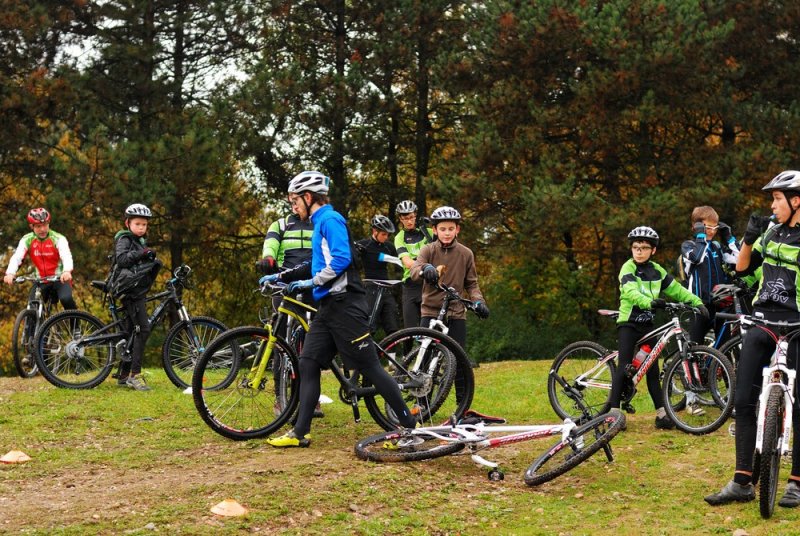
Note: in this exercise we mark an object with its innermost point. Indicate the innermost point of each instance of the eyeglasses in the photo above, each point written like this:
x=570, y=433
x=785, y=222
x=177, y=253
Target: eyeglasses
x=295, y=200
x=641, y=248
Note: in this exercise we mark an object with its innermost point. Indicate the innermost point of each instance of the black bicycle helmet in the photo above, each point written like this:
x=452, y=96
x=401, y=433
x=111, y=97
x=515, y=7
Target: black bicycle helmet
x=382, y=223
x=406, y=207
x=445, y=214
x=643, y=233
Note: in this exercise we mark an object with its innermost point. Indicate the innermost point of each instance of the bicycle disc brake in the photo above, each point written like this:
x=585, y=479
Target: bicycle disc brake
x=425, y=382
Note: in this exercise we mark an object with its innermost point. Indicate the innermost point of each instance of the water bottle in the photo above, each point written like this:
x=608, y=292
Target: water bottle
x=638, y=359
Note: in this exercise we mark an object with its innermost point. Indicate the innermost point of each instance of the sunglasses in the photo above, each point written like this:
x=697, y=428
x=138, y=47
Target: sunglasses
x=641, y=248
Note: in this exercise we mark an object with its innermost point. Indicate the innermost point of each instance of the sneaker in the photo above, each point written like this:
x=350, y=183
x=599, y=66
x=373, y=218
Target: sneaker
x=318, y=413
x=289, y=439
x=791, y=495
x=122, y=381
x=695, y=410
x=732, y=492
x=136, y=382
x=664, y=423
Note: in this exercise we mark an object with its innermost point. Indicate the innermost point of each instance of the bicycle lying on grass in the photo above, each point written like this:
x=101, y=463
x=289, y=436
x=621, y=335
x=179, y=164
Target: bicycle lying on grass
x=475, y=432
x=38, y=309
x=76, y=350
x=775, y=407
x=698, y=381
x=245, y=385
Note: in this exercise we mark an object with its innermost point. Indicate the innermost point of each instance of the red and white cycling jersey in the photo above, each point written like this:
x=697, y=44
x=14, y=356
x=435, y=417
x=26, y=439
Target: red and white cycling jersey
x=50, y=256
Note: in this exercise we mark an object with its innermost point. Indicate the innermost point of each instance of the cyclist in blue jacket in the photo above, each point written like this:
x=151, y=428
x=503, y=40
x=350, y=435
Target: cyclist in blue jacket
x=341, y=323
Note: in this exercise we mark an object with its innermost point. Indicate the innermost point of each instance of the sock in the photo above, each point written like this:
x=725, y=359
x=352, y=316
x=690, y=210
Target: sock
x=742, y=479
x=661, y=413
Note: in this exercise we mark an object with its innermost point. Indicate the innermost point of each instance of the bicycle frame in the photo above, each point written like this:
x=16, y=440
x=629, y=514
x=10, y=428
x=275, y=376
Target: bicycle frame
x=351, y=389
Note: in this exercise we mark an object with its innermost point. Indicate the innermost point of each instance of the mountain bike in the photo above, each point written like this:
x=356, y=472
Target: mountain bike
x=76, y=350
x=775, y=407
x=698, y=381
x=475, y=432
x=245, y=385
x=28, y=321
x=738, y=295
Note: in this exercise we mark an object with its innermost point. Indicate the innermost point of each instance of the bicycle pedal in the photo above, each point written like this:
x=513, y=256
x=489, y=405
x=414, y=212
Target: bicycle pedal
x=628, y=408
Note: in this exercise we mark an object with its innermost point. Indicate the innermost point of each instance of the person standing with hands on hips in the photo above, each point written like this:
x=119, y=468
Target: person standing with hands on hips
x=341, y=323
x=776, y=251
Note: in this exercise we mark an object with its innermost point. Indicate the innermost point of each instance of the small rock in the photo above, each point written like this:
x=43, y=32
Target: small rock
x=579, y=495
x=150, y=526
x=316, y=513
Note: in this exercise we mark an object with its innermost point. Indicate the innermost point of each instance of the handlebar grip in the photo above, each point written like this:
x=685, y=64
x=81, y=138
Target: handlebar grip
x=729, y=316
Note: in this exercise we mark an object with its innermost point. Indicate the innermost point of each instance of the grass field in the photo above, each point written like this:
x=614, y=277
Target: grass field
x=113, y=461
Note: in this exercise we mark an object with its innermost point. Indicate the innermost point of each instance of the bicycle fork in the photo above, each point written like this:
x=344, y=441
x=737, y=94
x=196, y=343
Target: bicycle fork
x=773, y=377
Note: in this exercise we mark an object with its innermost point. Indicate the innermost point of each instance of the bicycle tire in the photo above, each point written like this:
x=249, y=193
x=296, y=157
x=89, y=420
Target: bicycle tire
x=702, y=405
x=573, y=361
x=404, y=448
x=23, y=343
x=602, y=429
x=222, y=387
x=770, y=452
x=63, y=361
x=179, y=353
x=447, y=400
x=732, y=349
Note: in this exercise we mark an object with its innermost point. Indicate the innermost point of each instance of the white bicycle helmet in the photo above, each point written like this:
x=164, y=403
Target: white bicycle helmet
x=382, y=223
x=310, y=181
x=785, y=180
x=406, y=207
x=445, y=214
x=644, y=233
x=137, y=210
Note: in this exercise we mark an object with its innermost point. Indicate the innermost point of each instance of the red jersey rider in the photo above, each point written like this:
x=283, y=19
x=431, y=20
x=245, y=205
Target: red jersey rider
x=49, y=252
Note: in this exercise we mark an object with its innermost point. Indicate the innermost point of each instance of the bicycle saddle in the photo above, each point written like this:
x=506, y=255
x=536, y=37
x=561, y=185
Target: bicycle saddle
x=385, y=283
x=100, y=285
x=473, y=417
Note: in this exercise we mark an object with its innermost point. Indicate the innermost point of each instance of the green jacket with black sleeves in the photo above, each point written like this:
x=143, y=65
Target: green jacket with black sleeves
x=640, y=284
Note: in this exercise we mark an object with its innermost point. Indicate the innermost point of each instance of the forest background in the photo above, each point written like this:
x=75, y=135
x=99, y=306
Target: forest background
x=554, y=126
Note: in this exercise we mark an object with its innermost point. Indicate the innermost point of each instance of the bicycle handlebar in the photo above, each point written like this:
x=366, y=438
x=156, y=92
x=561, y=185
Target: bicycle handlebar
x=749, y=319
x=36, y=279
x=452, y=294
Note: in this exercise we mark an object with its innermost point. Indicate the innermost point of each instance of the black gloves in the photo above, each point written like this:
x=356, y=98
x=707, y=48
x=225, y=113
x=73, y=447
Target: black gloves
x=429, y=274
x=703, y=311
x=755, y=227
x=267, y=265
x=724, y=233
x=699, y=230
x=658, y=303
x=481, y=309
x=148, y=254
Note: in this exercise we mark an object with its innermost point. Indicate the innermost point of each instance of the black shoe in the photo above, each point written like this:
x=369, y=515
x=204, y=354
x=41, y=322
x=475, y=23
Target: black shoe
x=791, y=495
x=732, y=492
x=664, y=423
x=318, y=413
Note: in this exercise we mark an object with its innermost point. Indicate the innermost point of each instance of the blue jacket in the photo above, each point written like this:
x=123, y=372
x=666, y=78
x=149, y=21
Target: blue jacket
x=331, y=254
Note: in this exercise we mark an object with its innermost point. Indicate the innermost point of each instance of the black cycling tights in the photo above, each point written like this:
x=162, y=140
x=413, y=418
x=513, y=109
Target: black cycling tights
x=628, y=334
x=756, y=353
x=310, y=376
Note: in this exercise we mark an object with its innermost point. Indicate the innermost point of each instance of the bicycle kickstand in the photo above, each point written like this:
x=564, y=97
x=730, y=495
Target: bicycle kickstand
x=495, y=474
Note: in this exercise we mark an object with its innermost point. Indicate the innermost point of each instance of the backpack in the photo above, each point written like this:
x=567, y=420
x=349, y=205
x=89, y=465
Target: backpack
x=136, y=279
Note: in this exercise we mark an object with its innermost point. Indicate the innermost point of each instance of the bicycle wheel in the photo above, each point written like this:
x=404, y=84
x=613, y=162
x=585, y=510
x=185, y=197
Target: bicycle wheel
x=579, y=366
x=445, y=378
x=23, y=343
x=180, y=351
x=236, y=389
x=732, y=349
x=771, y=452
x=400, y=446
x=584, y=441
x=62, y=356
x=698, y=390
